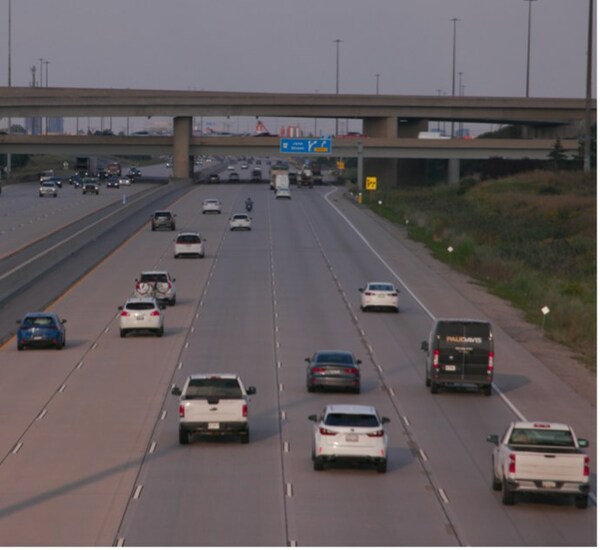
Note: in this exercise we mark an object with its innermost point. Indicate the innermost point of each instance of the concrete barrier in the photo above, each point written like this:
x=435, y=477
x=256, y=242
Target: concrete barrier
x=15, y=279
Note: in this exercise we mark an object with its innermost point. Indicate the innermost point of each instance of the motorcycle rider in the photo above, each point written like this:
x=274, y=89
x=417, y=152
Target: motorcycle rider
x=249, y=204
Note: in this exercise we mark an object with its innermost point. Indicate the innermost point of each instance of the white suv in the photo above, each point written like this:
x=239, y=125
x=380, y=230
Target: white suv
x=156, y=284
x=211, y=205
x=240, y=221
x=189, y=244
x=351, y=434
x=141, y=314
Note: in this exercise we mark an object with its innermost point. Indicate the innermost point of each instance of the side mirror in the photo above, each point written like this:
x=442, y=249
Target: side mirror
x=361, y=289
x=120, y=308
x=583, y=443
x=18, y=321
x=63, y=321
x=424, y=345
x=492, y=438
x=358, y=362
x=384, y=419
x=313, y=417
x=307, y=359
x=250, y=390
x=175, y=391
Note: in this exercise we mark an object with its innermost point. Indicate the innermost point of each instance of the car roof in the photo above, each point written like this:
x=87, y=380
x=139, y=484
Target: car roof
x=211, y=200
x=240, y=215
x=350, y=409
x=379, y=283
x=40, y=314
x=137, y=300
x=183, y=233
x=541, y=425
x=154, y=272
x=213, y=375
x=338, y=351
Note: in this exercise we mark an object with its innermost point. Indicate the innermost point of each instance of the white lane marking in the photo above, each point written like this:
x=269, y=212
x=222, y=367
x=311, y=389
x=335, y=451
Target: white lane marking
x=94, y=346
x=42, y=414
x=138, y=492
x=280, y=387
x=424, y=457
x=179, y=365
x=391, y=390
x=79, y=365
x=293, y=543
x=283, y=414
x=289, y=490
x=62, y=388
x=120, y=541
x=286, y=446
x=187, y=345
x=163, y=415
x=443, y=495
x=17, y=447
x=152, y=447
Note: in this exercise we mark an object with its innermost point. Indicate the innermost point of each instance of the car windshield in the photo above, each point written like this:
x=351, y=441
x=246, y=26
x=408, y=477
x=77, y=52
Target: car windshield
x=140, y=306
x=153, y=278
x=38, y=322
x=352, y=420
x=240, y=217
x=532, y=436
x=162, y=215
x=338, y=358
x=224, y=388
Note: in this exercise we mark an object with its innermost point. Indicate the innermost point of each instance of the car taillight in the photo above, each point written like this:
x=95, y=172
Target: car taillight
x=490, y=361
x=436, y=359
x=317, y=370
x=244, y=410
x=124, y=313
x=155, y=313
x=393, y=294
x=512, y=465
x=325, y=431
x=378, y=433
x=138, y=285
x=586, y=465
x=170, y=285
x=369, y=294
x=181, y=411
x=351, y=371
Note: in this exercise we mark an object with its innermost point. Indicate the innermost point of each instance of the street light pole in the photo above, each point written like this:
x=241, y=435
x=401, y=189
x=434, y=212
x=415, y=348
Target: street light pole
x=587, y=140
x=8, y=155
x=528, y=48
x=454, y=21
x=377, y=83
x=337, y=74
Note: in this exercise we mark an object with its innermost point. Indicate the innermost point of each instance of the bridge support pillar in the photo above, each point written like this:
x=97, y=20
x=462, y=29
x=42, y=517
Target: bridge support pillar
x=182, y=136
x=453, y=170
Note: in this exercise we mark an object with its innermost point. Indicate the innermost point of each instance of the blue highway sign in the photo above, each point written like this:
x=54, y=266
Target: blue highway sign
x=305, y=146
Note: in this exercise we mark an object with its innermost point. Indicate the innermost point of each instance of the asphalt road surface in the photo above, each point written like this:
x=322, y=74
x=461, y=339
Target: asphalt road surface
x=89, y=453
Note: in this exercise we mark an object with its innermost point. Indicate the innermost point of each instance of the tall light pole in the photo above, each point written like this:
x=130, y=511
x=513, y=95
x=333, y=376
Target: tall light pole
x=46, y=63
x=454, y=21
x=587, y=139
x=337, y=74
x=377, y=83
x=528, y=48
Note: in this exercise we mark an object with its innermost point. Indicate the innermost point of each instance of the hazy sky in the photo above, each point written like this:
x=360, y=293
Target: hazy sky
x=288, y=45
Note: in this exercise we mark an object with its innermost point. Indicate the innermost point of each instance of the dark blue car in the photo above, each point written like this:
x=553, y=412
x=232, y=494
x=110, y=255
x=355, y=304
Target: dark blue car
x=41, y=330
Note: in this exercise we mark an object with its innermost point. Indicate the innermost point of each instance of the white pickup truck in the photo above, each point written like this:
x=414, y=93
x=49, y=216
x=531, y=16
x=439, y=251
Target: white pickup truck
x=540, y=457
x=213, y=404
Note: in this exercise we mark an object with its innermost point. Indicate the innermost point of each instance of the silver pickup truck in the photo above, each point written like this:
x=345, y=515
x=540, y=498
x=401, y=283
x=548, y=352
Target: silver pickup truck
x=213, y=404
x=540, y=457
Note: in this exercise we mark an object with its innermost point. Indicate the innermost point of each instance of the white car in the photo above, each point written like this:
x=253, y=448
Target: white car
x=350, y=434
x=189, y=244
x=141, y=314
x=379, y=296
x=156, y=284
x=240, y=221
x=283, y=194
x=124, y=180
x=48, y=189
x=211, y=205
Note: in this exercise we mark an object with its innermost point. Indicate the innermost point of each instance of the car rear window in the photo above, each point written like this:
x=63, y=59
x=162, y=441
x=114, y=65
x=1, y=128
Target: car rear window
x=224, y=388
x=343, y=358
x=188, y=239
x=551, y=438
x=352, y=420
x=153, y=278
x=140, y=306
x=162, y=214
x=41, y=322
x=381, y=287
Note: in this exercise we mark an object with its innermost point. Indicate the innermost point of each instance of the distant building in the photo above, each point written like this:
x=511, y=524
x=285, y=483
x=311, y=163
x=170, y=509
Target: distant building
x=55, y=125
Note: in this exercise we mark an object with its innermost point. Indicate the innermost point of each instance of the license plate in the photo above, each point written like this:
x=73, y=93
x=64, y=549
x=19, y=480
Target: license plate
x=213, y=425
x=139, y=317
x=37, y=337
x=352, y=438
x=334, y=371
x=548, y=484
x=450, y=368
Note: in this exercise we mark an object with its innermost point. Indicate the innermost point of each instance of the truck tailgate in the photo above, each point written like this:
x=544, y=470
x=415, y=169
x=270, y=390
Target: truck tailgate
x=222, y=410
x=555, y=466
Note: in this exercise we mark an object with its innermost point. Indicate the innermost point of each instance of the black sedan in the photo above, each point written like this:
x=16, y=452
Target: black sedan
x=333, y=369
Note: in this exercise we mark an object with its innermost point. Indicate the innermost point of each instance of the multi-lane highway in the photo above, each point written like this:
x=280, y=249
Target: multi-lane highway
x=89, y=453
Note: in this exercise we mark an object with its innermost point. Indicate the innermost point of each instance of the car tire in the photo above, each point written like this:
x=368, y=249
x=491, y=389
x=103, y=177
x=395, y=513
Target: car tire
x=318, y=464
x=153, y=228
x=427, y=380
x=508, y=496
x=184, y=436
x=487, y=390
x=356, y=390
x=435, y=387
x=122, y=333
x=581, y=502
x=160, y=332
x=310, y=389
x=382, y=467
x=176, y=256
x=496, y=483
x=173, y=301
x=245, y=438
x=20, y=347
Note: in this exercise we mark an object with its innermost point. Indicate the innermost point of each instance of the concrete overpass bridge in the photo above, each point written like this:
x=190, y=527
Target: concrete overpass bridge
x=391, y=123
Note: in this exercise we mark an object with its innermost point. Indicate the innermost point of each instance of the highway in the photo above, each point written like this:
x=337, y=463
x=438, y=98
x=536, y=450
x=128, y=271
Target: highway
x=89, y=454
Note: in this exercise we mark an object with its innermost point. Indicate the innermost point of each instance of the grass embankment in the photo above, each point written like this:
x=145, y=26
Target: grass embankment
x=529, y=238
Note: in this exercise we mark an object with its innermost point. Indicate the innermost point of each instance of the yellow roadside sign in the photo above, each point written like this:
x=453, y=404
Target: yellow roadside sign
x=340, y=164
x=371, y=183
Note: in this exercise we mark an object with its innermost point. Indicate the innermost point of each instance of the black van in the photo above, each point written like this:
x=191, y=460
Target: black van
x=459, y=352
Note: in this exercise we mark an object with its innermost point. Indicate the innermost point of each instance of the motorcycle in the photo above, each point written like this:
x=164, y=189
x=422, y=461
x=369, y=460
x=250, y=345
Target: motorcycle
x=249, y=205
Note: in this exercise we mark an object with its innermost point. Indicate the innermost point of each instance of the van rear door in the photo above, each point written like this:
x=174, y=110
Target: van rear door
x=464, y=350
